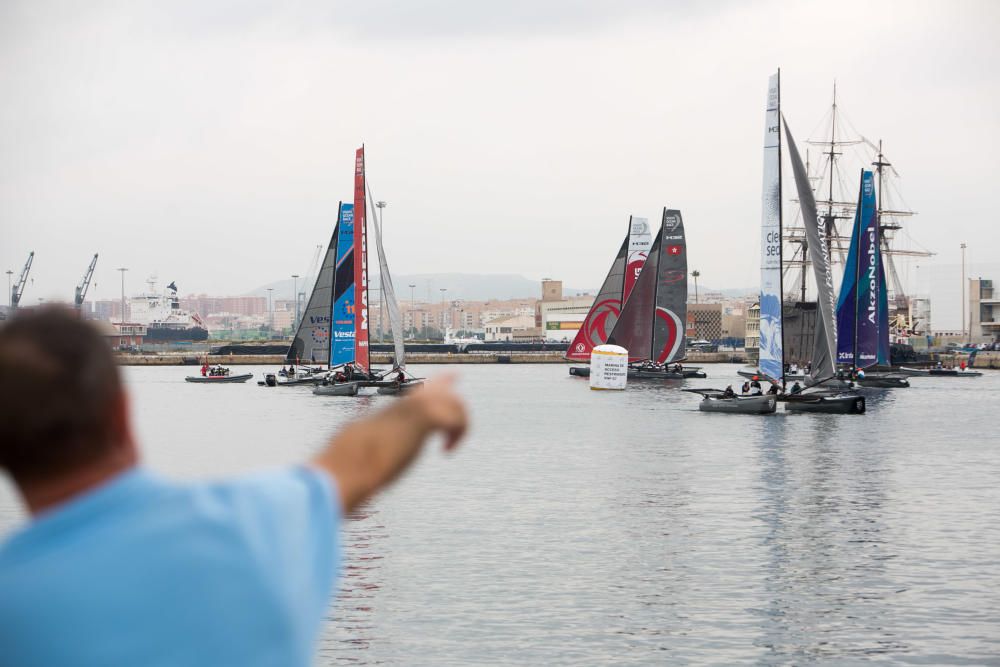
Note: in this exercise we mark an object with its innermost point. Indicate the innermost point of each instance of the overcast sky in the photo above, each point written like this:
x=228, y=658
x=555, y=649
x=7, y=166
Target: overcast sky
x=210, y=142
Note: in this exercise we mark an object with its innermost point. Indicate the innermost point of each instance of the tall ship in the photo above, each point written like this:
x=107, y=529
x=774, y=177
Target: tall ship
x=832, y=165
x=165, y=320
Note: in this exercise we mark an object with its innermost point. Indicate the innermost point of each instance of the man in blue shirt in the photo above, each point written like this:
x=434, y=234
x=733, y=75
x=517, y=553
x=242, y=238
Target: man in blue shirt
x=122, y=567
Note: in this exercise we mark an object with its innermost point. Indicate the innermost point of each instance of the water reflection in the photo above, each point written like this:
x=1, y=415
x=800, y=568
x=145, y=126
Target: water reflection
x=822, y=502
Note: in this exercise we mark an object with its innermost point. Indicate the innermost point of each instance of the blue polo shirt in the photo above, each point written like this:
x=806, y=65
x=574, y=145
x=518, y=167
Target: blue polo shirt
x=145, y=571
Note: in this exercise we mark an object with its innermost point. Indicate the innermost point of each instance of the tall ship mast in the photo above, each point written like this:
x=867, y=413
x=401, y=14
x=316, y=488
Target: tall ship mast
x=841, y=151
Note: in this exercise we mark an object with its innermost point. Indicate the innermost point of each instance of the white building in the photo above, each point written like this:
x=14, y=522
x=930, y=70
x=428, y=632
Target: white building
x=505, y=328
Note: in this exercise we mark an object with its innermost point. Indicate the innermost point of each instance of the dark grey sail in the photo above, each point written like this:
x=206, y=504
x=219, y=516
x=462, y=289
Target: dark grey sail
x=670, y=317
x=824, y=349
x=633, y=329
x=311, y=343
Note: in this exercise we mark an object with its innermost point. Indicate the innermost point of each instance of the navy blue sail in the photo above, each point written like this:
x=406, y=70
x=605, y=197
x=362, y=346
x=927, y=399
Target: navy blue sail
x=862, y=291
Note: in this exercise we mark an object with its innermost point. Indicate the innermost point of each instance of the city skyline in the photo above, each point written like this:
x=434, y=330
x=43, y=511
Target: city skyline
x=212, y=145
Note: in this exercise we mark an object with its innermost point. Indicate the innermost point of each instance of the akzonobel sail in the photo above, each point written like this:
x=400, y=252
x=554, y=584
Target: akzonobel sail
x=772, y=357
x=603, y=314
x=825, y=344
x=858, y=306
x=361, y=356
x=342, y=340
x=311, y=343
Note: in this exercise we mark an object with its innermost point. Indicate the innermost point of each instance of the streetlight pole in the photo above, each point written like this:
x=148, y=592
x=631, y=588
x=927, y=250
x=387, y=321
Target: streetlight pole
x=695, y=274
x=10, y=289
x=964, y=299
x=443, y=326
x=381, y=288
x=413, y=319
x=122, y=270
x=295, y=294
x=270, y=311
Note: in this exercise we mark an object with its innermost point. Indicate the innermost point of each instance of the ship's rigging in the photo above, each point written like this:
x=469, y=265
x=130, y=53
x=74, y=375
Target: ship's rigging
x=835, y=185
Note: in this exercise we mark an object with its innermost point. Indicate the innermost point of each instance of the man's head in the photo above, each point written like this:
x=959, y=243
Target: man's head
x=62, y=408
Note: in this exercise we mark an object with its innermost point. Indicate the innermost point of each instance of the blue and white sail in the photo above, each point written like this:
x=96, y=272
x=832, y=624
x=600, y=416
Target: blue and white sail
x=343, y=299
x=772, y=357
x=859, y=328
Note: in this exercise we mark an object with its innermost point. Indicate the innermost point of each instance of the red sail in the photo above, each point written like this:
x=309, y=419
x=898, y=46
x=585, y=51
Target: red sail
x=360, y=263
x=603, y=314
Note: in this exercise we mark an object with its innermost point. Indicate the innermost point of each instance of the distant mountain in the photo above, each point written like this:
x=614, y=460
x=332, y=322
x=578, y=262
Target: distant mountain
x=427, y=287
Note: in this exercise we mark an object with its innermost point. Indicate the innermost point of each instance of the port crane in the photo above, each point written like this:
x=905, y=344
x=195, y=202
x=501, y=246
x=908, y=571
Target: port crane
x=81, y=289
x=18, y=289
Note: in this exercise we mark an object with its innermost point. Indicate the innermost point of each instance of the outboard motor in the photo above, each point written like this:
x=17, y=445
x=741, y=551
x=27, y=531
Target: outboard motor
x=270, y=380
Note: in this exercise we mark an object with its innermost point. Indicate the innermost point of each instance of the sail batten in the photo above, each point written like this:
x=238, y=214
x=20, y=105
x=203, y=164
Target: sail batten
x=772, y=354
x=825, y=345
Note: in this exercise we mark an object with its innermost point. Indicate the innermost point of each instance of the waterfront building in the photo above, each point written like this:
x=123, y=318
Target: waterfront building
x=751, y=342
x=506, y=329
x=984, y=311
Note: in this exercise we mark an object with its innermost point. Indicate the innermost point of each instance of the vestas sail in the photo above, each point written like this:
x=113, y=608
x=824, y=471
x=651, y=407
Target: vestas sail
x=361, y=357
x=858, y=326
x=342, y=340
x=772, y=355
x=311, y=343
x=651, y=325
x=603, y=314
x=825, y=345
x=391, y=304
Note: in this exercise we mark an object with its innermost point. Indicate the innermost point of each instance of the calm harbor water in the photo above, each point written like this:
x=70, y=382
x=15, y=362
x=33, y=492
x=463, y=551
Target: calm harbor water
x=580, y=527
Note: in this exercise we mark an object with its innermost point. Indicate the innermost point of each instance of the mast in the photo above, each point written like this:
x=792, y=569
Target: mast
x=828, y=227
x=361, y=351
x=781, y=244
x=857, y=272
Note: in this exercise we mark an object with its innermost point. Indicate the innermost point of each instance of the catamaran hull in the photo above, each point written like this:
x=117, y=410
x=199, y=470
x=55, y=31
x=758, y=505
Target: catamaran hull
x=219, y=379
x=337, y=389
x=639, y=374
x=309, y=380
x=884, y=381
x=741, y=405
x=396, y=388
x=839, y=404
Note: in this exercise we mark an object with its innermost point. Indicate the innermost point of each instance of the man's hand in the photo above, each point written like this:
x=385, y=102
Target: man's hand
x=370, y=453
x=442, y=408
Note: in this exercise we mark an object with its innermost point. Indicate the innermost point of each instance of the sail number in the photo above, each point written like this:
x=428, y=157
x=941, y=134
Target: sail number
x=772, y=244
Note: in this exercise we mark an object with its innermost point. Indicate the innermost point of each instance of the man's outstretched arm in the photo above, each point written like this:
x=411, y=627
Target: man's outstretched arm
x=370, y=453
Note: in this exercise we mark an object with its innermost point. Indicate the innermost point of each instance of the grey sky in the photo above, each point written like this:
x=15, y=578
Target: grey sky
x=209, y=142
